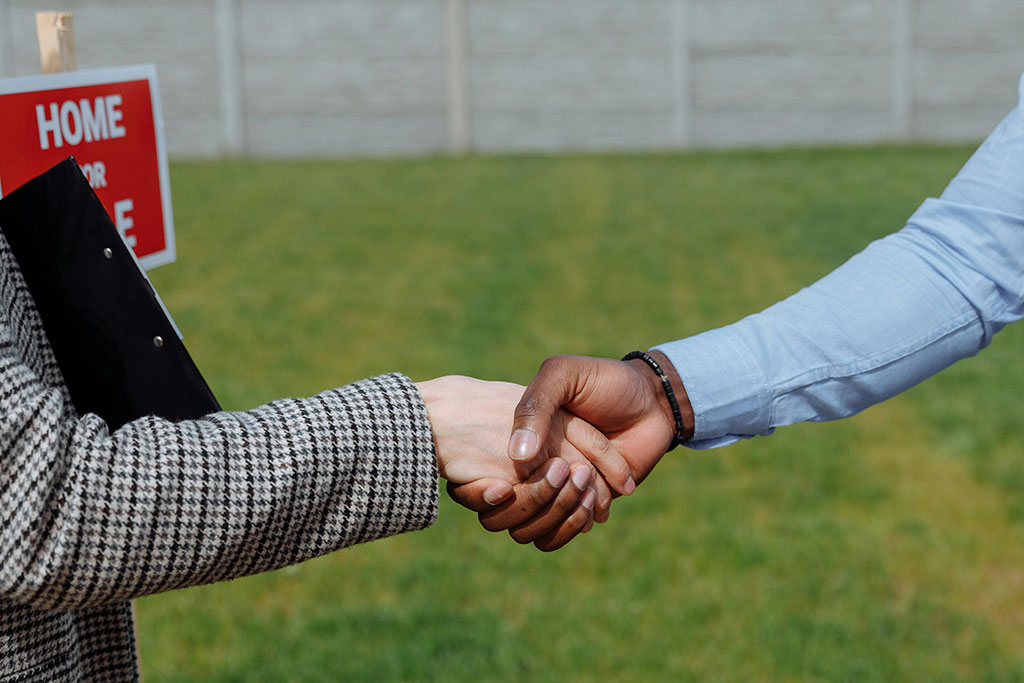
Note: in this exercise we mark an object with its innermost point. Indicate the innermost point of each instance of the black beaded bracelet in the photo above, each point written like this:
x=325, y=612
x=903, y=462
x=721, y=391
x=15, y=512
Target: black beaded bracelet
x=680, y=434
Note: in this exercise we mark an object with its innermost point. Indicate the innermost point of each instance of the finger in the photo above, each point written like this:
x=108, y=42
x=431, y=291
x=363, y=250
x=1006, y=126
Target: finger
x=593, y=444
x=603, y=501
x=580, y=519
x=480, y=495
x=560, y=509
x=588, y=526
x=528, y=498
x=602, y=506
x=552, y=388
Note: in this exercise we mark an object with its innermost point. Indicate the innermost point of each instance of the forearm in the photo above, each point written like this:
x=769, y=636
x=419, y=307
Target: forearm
x=871, y=329
x=157, y=506
x=906, y=307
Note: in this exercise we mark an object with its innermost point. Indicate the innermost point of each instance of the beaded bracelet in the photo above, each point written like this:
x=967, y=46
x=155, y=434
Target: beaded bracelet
x=680, y=434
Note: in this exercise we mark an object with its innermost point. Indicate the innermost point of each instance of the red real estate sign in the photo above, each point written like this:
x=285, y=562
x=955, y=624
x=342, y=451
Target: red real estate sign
x=110, y=121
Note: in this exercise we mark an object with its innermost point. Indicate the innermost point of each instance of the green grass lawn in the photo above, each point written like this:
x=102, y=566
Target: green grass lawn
x=886, y=547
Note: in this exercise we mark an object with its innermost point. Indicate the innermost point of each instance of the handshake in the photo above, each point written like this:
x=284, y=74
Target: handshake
x=585, y=431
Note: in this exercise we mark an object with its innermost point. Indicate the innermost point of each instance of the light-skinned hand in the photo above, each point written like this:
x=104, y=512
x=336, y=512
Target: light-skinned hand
x=547, y=501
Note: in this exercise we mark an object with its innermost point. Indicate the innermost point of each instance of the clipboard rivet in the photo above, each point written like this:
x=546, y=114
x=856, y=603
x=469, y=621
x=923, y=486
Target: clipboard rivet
x=158, y=341
x=107, y=253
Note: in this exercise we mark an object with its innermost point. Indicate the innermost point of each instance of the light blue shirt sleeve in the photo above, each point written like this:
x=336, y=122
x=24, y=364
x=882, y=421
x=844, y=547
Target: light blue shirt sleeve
x=908, y=306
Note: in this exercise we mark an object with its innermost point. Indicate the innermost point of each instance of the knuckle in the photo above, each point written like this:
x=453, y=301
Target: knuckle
x=567, y=531
x=563, y=506
x=551, y=544
x=602, y=452
x=578, y=520
x=530, y=405
x=520, y=536
x=552, y=364
x=568, y=499
x=606, y=452
x=539, y=494
x=491, y=524
x=555, y=368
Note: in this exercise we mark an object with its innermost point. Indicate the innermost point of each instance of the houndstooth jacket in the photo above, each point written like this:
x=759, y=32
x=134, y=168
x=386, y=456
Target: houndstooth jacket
x=90, y=519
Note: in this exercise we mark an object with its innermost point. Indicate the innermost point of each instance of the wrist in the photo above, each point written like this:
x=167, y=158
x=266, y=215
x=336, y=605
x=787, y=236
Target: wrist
x=679, y=389
x=431, y=392
x=665, y=388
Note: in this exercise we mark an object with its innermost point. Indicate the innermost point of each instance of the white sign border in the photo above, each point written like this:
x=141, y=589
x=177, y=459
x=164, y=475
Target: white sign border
x=111, y=75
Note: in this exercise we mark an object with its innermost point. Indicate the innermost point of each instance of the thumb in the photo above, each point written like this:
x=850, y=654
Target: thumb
x=553, y=387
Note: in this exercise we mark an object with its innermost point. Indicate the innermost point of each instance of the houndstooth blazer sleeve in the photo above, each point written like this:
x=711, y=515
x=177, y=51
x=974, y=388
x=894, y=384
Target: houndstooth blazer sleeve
x=90, y=517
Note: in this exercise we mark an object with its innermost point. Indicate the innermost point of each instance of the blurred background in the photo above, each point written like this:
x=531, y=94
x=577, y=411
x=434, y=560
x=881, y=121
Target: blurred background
x=469, y=186
x=386, y=77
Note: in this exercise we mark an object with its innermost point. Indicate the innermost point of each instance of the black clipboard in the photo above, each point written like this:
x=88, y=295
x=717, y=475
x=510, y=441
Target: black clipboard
x=115, y=344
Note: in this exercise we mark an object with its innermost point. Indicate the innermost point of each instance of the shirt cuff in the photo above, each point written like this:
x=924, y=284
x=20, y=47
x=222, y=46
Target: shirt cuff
x=727, y=389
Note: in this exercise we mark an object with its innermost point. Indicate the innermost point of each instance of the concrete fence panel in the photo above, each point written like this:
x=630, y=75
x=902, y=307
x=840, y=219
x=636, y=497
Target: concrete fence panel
x=409, y=77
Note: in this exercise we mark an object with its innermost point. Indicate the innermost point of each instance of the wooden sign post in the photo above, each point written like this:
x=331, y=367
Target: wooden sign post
x=56, y=42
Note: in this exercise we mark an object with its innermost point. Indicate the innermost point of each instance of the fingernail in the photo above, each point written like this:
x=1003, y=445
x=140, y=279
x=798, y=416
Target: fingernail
x=497, y=493
x=629, y=487
x=522, y=445
x=581, y=477
x=588, y=499
x=558, y=472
